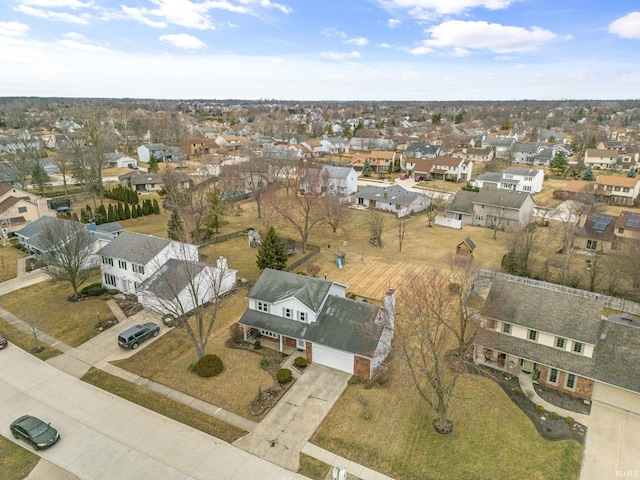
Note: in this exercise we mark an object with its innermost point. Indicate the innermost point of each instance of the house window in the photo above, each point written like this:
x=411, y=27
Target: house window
x=263, y=307
x=480, y=217
x=592, y=244
x=553, y=376
x=577, y=347
x=571, y=381
x=302, y=316
x=138, y=269
x=107, y=261
x=560, y=342
x=621, y=231
x=109, y=279
x=526, y=188
x=267, y=333
x=626, y=189
x=122, y=264
x=287, y=312
x=22, y=209
x=533, y=335
x=506, y=328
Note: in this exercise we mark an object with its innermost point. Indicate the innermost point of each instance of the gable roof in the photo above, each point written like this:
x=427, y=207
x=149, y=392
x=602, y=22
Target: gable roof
x=462, y=202
x=171, y=278
x=490, y=177
x=338, y=172
x=617, y=181
x=394, y=194
x=275, y=285
x=525, y=172
x=135, y=247
x=468, y=242
x=501, y=198
x=554, y=312
x=597, y=227
x=617, y=353
x=601, y=152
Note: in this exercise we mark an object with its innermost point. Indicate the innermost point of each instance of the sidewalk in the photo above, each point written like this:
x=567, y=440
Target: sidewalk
x=527, y=388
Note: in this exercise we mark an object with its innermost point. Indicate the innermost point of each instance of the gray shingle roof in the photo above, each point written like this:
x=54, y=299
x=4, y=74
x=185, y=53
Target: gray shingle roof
x=462, y=202
x=528, y=172
x=394, y=194
x=275, y=285
x=135, y=247
x=500, y=198
x=111, y=227
x=557, y=313
x=490, y=177
x=338, y=172
x=172, y=278
x=617, y=355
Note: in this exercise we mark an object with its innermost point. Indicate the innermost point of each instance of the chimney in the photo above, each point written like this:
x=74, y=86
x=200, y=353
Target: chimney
x=385, y=193
x=390, y=308
x=221, y=263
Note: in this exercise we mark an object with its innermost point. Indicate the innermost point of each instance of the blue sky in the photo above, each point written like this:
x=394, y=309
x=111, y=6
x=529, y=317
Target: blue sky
x=321, y=49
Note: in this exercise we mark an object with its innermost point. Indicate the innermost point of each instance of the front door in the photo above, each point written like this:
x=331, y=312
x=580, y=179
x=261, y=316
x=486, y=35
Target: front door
x=526, y=366
x=301, y=344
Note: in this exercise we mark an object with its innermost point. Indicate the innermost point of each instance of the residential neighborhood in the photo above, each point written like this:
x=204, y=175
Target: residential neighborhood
x=302, y=293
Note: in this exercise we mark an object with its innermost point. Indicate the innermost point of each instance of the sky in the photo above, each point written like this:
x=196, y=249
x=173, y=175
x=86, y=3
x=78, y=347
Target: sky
x=422, y=50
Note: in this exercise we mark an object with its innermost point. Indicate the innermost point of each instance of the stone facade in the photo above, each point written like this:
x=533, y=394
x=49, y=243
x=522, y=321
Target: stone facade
x=361, y=367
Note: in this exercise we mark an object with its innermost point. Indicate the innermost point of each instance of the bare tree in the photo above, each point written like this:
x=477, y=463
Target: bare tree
x=192, y=206
x=425, y=336
x=595, y=268
x=62, y=163
x=24, y=149
x=335, y=211
x=68, y=248
x=436, y=206
x=257, y=178
x=523, y=246
x=376, y=220
x=495, y=217
x=191, y=293
x=402, y=231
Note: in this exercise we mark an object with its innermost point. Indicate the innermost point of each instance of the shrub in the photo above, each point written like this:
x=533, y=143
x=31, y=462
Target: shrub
x=539, y=409
x=192, y=367
x=553, y=415
x=570, y=421
x=284, y=375
x=355, y=380
x=237, y=335
x=300, y=362
x=265, y=362
x=517, y=391
x=256, y=345
x=313, y=269
x=209, y=366
x=93, y=290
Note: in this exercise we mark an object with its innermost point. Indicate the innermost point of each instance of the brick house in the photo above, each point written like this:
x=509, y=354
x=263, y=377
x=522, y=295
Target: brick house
x=380, y=161
x=314, y=316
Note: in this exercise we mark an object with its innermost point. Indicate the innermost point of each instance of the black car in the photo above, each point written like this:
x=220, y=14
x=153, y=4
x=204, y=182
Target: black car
x=134, y=336
x=3, y=342
x=35, y=431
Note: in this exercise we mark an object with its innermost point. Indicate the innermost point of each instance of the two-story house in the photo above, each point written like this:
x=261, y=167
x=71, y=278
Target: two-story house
x=616, y=190
x=492, y=208
x=342, y=181
x=423, y=150
x=379, y=160
x=453, y=169
x=230, y=142
x=476, y=155
x=161, y=152
x=601, y=159
x=19, y=208
x=560, y=338
x=131, y=258
x=513, y=178
x=392, y=198
x=151, y=182
x=314, y=316
x=179, y=286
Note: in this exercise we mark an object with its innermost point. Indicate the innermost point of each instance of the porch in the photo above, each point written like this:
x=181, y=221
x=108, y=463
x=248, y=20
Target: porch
x=274, y=341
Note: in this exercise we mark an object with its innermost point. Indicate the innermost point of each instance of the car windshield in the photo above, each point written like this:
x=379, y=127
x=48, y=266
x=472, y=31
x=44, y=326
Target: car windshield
x=39, y=430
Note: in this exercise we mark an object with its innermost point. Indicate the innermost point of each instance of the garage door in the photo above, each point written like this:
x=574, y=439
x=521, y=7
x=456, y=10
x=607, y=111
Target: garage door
x=333, y=358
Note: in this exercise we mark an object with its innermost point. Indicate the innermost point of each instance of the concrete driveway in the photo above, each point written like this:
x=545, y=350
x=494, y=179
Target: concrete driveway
x=106, y=437
x=280, y=436
x=104, y=347
x=612, y=447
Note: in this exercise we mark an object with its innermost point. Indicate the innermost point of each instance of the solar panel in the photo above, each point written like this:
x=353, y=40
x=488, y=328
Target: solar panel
x=633, y=221
x=601, y=223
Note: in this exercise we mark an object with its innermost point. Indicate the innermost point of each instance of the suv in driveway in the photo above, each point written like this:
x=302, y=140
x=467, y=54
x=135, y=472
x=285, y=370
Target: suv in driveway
x=134, y=336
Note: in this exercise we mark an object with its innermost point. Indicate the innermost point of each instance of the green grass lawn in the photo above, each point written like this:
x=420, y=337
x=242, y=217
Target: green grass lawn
x=15, y=462
x=492, y=438
x=47, y=306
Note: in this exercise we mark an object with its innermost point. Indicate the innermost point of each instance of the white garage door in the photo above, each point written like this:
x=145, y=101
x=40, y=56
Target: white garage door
x=333, y=358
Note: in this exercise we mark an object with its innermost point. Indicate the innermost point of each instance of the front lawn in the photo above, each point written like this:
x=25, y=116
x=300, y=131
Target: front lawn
x=15, y=462
x=46, y=305
x=25, y=341
x=492, y=438
x=167, y=361
x=8, y=261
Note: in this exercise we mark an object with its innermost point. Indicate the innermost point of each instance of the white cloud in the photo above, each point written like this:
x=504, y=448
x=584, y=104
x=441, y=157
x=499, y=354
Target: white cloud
x=357, y=41
x=427, y=9
x=139, y=16
x=73, y=4
x=384, y=45
x=627, y=26
x=74, y=36
x=78, y=42
x=269, y=4
x=422, y=50
x=393, y=22
x=182, y=40
x=13, y=29
x=459, y=52
x=489, y=36
x=341, y=55
x=332, y=32
x=49, y=15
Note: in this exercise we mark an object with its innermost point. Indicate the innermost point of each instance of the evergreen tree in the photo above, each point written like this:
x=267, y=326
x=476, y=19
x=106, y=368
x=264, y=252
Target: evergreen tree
x=152, y=165
x=39, y=177
x=156, y=207
x=174, y=226
x=271, y=253
x=632, y=173
x=127, y=211
x=111, y=216
x=366, y=169
x=101, y=214
x=134, y=212
x=588, y=174
x=120, y=212
x=559, y=164
x=138, y=208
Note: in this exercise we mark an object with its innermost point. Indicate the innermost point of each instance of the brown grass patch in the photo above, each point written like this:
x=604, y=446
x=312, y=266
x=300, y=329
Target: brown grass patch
x=16, y=462
x=25, y=341
x=9, y=261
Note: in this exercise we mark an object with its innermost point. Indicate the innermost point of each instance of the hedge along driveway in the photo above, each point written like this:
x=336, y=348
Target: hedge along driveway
x=46, y=305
